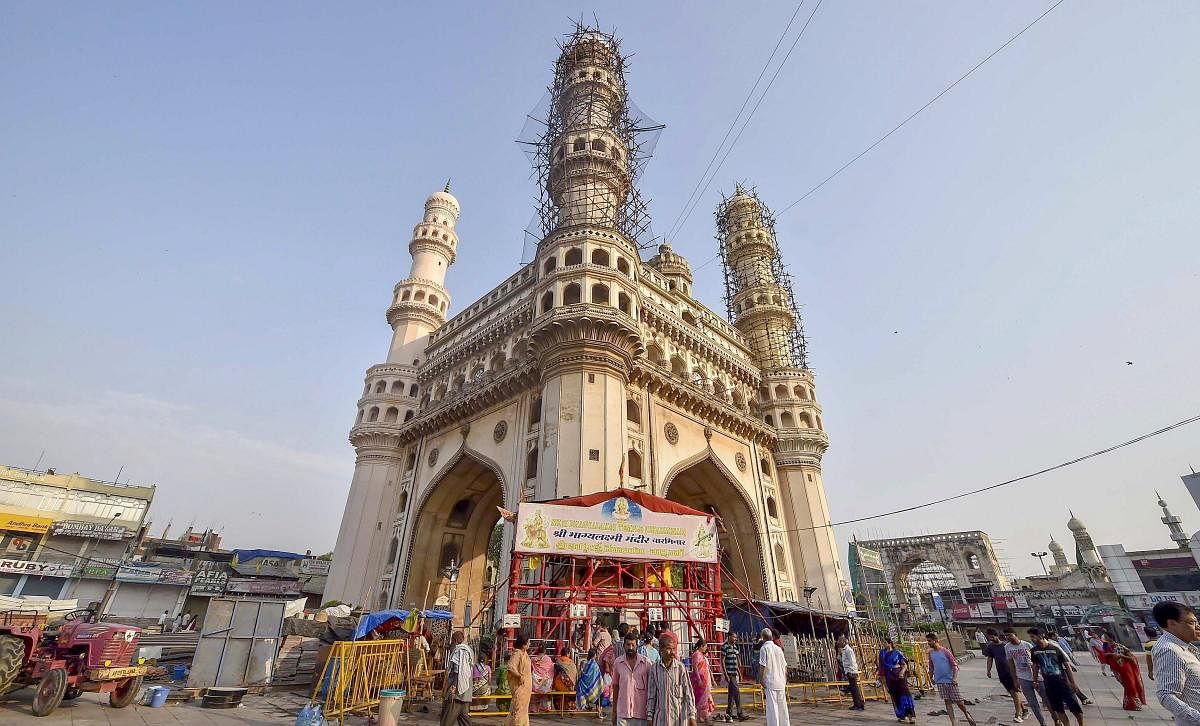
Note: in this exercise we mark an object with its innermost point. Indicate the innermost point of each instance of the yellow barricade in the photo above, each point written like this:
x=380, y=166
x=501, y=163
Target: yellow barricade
x=356, y=672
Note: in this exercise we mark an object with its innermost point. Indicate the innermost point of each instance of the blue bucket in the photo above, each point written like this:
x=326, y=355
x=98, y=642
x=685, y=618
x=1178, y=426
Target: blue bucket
x=179, y=672
x=158, y=697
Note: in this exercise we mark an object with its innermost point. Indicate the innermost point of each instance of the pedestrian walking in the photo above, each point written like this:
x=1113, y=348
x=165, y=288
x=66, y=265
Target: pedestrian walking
x=1051, y=665
x=1176, y=667
x=730, y=661
x=1096, y=646
x=893, y=672
x=649, y=647
x=1057, y=637
x=669, y=699
x=998, y=659
x=589, y=686
x=631, y=675
x=162, y=621
x=944, y=668
x=849, y=663
x=1019, y=662
x=1147, y=648
x=456, y=708
x=702, y=682
x=177, y=623
x=1125, y=667
x=982, y=640
x=772, y=674
x=520, y=679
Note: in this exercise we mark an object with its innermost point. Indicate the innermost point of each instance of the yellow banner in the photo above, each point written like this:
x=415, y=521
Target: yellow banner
x=24, y=523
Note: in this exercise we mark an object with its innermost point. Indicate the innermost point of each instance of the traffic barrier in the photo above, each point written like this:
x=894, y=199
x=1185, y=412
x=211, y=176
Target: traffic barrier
x=355, y=674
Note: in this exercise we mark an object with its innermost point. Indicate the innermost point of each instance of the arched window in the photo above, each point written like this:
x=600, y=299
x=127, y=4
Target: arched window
x=656, y=355
x=535, y=412
x=698, y=379
x=433, y=300
x=780, y=559
x=633, y=412
x=574, y=256
x=549, y=265
x=622, y=265
x=548, y=301
x=781, y=391
x=403, y=505
x=764, y=395
x=460, y=514
x=406, y=296
x=623, y=304
x=393, y=550
x=381, y=387
x=634, y=464
x=531, y=464
x=410, y=462
x=973, y=561
x=391, y=414
x=497, y=363
x=678, y=367
x=419, y=296
x=398, y=387
x=374, y=414
x=769, y=419
x=805, y=420
x=600, y=257
x=764, y=466
x=688, y=318
x=786, y=420
x=360, y=416
x=599, y=145
x=800, y=392
x=579, y=145
x=571, y=294
x=408, y=415
x=413, y=390
x=600, y=294
x=772, y=510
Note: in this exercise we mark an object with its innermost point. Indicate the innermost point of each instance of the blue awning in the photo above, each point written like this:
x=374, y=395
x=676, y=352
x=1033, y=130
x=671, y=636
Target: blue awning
x=370, y=621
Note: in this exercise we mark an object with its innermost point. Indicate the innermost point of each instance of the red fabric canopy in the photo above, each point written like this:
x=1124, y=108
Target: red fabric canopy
x=647, y=501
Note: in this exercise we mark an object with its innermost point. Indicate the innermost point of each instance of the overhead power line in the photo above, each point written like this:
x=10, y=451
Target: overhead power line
x=997, y=485
x=914, y=114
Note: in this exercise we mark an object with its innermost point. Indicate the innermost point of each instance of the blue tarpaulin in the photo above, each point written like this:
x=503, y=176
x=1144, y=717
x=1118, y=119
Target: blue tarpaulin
x=370, y=621
x=247, y=555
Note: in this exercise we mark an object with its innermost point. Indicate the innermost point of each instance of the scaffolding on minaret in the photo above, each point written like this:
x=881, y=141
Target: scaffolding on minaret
x=773, y=280
x=576, y=105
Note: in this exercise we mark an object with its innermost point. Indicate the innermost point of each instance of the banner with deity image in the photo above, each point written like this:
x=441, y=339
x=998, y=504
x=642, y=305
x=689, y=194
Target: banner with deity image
x=617, y=527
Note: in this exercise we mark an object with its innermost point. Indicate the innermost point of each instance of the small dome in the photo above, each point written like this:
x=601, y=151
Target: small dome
x=1055, y=546
x=1074, y=524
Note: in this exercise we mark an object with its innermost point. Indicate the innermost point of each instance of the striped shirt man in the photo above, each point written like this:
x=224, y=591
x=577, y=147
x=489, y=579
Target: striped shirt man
x=669, y=698
x=1177, y=678
x=729, y=652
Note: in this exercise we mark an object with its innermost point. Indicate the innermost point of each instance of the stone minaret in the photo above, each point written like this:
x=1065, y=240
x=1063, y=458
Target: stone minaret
x=1061, y=565
x=584, y=332
x=1175, y=524
x=390, y=398
x=760, y=304
x=1084, y=545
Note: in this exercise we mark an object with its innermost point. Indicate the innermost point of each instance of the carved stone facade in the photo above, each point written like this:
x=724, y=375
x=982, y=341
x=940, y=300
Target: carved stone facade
x=585, y=359
x=968, y=556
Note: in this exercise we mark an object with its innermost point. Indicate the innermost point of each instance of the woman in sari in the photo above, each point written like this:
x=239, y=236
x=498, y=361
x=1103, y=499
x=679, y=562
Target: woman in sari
x=589, y=688
x=542, y=667
x=565, y=671
x=1125, y=667
x=893, y=671
x=702, y=682
x=519, y=678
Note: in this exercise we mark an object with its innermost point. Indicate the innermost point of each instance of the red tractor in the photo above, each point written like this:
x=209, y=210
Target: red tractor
x=67, y=659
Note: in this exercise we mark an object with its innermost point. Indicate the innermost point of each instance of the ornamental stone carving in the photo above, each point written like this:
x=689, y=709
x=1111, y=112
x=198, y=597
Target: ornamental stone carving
x=500, y=431
x=672, y=433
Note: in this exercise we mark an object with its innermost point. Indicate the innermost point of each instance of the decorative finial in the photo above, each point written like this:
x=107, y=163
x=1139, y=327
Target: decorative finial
x=447, y=189
x=737, y=188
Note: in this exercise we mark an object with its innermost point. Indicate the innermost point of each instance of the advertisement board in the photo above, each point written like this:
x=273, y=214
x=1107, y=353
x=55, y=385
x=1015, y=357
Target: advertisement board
x=869, y=558
x=14, y=522
x=1010, y=602
x=313, y=566
x=617, y=527
x=91, y=530
x=129, y=572
x=35, y=569
x=173, y=576
x=209, y=582
x=262, y=587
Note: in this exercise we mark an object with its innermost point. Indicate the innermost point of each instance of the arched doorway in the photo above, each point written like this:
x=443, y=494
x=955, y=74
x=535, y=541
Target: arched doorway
x=454, y=525
x=704, y=486
x=919, y=579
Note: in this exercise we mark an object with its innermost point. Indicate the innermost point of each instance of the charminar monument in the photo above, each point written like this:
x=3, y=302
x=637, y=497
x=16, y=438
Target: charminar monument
x=587, y=365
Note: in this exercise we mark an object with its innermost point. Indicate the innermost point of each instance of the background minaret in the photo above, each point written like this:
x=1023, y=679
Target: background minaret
x=1061, y=565
x=1175, y=524
x=760, y=303
x=1085, y=548
x=390, y=398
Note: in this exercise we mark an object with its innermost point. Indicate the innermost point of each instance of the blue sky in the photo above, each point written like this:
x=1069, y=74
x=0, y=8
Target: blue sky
x=204, y=208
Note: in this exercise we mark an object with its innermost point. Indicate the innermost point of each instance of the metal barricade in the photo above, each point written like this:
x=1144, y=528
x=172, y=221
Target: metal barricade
x=356, y=672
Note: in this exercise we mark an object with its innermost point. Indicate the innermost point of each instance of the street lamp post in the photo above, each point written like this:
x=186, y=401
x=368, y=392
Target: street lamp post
x=451, y=573
x=1041, y=556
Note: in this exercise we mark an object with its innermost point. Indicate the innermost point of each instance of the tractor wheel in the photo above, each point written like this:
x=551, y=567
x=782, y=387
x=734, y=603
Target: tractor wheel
x=50, y=692
x=72, y=693
x=123, y=695
x=12, y=658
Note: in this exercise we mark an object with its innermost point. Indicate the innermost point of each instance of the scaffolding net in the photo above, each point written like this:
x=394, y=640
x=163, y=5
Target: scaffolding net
x=588, y=143
x=758, y=288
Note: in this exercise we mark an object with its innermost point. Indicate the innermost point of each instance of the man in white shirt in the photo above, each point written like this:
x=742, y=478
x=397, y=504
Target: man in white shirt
x=772, y=674
x=849, y=663
x=1176, y=667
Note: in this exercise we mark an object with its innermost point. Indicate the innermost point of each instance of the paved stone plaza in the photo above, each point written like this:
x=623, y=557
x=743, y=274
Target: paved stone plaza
x=281, y=708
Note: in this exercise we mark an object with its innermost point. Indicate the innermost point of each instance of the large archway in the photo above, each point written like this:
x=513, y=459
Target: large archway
x=702, y=485
x=454, y=524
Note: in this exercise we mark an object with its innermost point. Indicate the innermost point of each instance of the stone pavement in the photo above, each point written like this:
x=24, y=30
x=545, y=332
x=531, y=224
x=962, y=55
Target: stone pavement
x=281, y=708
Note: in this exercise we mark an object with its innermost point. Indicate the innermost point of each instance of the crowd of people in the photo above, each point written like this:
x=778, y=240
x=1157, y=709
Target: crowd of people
x=627, y=677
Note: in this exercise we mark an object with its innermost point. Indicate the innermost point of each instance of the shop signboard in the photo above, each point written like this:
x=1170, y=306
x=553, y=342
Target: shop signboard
x=268, y=567
x=129, y=572
x=14, y=522
x=247, y=586
x=1010, y=602
x=35, y=569
x=1067, y=611
x=98, y=571
x=89, y=530
x=313, y=566
x=960, y=610
x=174, y=576
x=1149, y=600
x=869, y=558
x=617, y=527
x=209, y=582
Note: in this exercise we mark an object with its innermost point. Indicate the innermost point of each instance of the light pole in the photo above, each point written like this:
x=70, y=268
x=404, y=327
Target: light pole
x=1041, y=556
x=451, y=573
